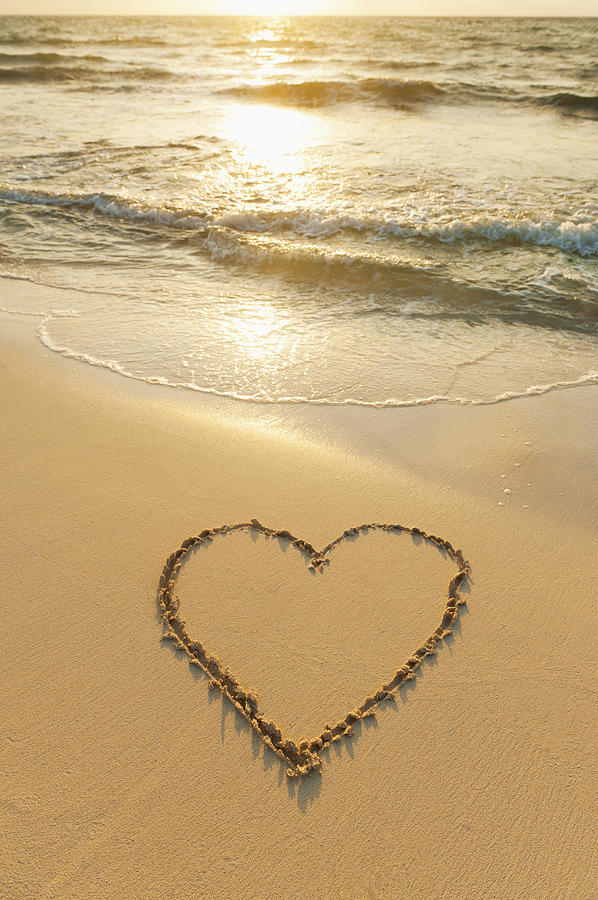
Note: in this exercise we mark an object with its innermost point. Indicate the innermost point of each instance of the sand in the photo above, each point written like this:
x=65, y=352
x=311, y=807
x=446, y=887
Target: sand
x=124, y=775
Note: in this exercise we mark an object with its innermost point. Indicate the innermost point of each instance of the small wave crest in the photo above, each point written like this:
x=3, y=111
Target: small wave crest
x=48, y=57
x=324, y=93
x=284, y=42
x=20, y=40
x=572, y=104
x=79, y=74
x=306, y=261
x=321, y=265
x=407, y=94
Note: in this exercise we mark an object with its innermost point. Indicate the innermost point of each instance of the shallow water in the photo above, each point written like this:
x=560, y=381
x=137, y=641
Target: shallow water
x=380, y=211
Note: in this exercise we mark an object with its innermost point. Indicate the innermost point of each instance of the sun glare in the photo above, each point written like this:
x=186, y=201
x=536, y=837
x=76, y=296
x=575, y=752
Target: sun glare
x=270, y=136
x=257, y=336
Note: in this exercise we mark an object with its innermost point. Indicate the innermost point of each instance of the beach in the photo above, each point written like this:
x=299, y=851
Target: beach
x=298, y=404
x=124, y=775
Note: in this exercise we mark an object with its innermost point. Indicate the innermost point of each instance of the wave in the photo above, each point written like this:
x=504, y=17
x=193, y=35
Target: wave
x=371, y=62
x=48, y=40
x=395, y=92
x=403, y=93
x=282, y=43
x=110, y=206
x=60, y=74
x=93, y=149
x=324, y=93
x=399, y=64
x=572, y=104
x=541, y=48
x=397, y=279
x=588, y=72
x=577, y=235
x=40, y=57
x=140, y=41
x=574, y=237
x=39, y=74
x=314, y=264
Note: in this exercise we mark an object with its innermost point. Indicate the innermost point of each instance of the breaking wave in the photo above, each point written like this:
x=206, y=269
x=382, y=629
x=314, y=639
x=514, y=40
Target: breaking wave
x=108, y=206
x=578, y=235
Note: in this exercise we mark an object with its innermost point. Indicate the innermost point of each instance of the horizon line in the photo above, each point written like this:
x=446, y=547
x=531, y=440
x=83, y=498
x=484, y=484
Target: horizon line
x=215, y=15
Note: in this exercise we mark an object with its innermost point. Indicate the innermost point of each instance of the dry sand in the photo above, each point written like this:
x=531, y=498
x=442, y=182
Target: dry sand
x=124, y=776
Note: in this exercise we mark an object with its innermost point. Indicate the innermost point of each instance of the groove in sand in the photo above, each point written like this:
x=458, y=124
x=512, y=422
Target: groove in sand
x=301, y=758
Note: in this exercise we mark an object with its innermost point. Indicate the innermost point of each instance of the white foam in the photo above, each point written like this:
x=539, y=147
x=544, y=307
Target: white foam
x=577, y=234
x=115, y=366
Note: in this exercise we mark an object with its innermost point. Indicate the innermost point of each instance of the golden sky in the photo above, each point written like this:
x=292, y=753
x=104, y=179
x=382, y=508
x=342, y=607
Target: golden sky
x=305, y=7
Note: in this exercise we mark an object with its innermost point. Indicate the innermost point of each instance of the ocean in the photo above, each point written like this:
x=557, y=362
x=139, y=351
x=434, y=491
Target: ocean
x=313, y=210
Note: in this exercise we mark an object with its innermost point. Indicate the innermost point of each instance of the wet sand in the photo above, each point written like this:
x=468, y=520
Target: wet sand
x=124, y=774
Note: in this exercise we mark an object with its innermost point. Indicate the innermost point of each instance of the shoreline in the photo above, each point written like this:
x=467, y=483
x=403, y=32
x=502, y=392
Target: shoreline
x=413, y=438
x=115, y=752
x=21, y=286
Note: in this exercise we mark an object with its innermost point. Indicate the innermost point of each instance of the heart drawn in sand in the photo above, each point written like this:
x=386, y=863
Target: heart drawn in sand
x=301, y=758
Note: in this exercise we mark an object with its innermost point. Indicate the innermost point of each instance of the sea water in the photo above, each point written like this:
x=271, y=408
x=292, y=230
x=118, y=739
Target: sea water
x=323, y=210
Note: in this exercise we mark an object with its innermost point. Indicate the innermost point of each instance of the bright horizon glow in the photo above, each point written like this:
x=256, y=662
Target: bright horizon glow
x=474, y=8
x=271, y=7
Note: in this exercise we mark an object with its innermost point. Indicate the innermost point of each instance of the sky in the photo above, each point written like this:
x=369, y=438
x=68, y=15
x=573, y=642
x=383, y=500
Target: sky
x=306, y=7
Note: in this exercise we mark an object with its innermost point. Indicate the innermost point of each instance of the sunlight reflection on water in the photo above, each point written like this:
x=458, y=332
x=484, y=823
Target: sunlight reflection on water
x=267, y=135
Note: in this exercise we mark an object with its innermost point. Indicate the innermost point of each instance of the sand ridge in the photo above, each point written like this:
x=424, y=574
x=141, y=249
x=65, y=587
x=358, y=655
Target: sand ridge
x=302, y=758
